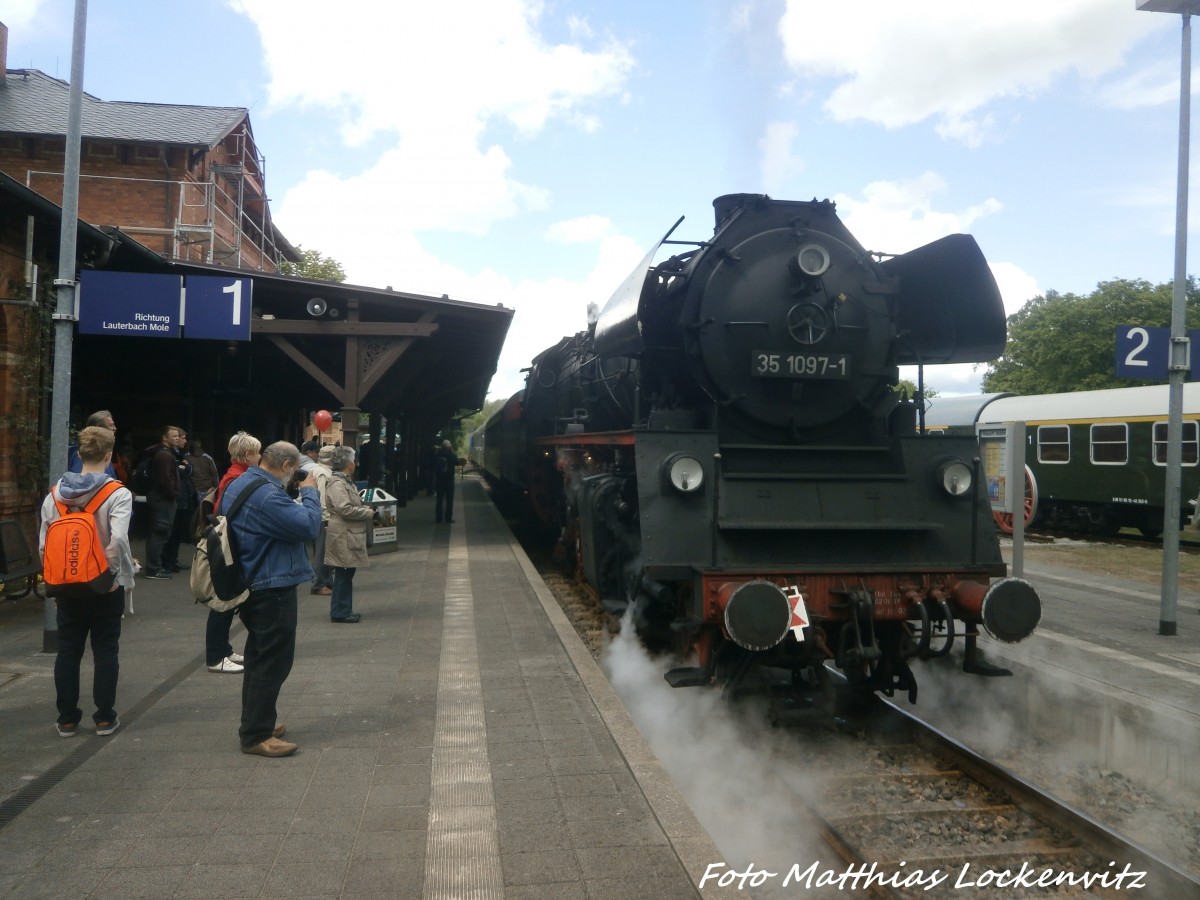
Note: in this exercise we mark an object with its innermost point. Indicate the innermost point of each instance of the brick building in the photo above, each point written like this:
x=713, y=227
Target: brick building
x=184, y=182
x=178, y=190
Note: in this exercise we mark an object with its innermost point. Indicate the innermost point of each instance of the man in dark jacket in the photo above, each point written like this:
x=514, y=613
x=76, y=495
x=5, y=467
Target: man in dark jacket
x=185, y=505
x=162, y=501
x=271, y=531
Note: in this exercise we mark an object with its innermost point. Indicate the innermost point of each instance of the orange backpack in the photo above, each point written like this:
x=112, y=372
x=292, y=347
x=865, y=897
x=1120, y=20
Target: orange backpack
x=74, y=564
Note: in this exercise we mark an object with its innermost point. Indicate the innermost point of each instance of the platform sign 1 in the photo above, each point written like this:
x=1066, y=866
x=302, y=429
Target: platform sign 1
x=218, y=308
x=1144, y=352
x=132, y=304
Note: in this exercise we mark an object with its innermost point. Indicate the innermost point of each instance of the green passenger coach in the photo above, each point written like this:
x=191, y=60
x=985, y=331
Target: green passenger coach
x=1095, y=461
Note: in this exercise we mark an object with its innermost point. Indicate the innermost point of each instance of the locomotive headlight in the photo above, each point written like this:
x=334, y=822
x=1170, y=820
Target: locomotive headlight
x=684, y=473
x=813, y=260
x=955, y=477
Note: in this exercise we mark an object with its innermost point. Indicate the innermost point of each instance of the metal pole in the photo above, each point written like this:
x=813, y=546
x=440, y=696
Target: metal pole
x=1179, y=362
x=65, y=284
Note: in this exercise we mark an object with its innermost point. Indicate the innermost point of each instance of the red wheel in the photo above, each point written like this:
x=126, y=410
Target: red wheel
x=1004, y=521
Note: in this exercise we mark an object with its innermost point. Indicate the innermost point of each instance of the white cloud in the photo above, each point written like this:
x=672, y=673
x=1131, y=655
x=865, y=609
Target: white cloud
x=448, y=89
x=898, y=216
x=945, y=59
x=436, y=76
x=779, y=164
x=1017, y=286
x=552, y=309
x=580, y=230
x=434, y=67
x=1154, y=85
x=19, y=12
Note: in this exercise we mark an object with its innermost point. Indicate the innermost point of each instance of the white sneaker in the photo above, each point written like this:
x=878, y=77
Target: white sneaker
x=228, y=666
x=236, y=657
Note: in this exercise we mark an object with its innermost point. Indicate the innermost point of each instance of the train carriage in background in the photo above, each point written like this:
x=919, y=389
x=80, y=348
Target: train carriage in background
x=723, y=455
x=1095, y=461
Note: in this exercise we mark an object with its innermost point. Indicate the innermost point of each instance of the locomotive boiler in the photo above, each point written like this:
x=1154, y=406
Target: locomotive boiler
x=724, y=455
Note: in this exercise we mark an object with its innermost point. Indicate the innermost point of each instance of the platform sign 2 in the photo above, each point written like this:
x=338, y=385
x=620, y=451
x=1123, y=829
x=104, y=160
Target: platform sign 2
x=218, y=308
x=129, y=304
x=1144, y=352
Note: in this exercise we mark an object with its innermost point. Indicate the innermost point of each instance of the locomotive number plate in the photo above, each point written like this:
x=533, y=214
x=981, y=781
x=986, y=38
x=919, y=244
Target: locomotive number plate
x=800, y=365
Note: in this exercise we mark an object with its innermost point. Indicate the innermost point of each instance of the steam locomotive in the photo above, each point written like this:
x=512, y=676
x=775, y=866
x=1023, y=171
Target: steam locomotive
x=723, y=455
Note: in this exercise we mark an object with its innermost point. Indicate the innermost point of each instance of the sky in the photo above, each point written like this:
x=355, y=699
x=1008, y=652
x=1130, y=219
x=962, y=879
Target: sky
x=529, y=153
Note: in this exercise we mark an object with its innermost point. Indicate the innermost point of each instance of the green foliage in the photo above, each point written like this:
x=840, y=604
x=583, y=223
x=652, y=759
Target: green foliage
x=1066, y=342
x=909, y=388
x=472, y=422
x=313, y=265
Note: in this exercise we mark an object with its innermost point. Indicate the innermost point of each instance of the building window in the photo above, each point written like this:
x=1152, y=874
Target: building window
x=1110, y=444
x=1054, y=444
x=1191, y=443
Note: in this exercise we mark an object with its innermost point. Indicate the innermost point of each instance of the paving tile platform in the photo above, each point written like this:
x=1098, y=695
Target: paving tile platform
x=459, y=742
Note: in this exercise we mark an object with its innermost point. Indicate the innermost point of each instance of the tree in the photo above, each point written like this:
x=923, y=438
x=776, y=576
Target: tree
x=313, y=265
x=908, y=387
x=475, y=420
x=1066, y=342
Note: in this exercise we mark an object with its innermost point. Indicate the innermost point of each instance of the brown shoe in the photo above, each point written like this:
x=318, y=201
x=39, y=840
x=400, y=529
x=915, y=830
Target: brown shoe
x=323, y=592
x=279, y=731
x=271, y=747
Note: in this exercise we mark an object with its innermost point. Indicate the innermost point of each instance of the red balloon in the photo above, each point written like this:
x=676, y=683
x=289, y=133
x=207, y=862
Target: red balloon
x=322, y=420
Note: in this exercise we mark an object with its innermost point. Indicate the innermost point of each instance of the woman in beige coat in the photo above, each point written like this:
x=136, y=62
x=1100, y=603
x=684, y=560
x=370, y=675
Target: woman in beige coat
x=346, y=538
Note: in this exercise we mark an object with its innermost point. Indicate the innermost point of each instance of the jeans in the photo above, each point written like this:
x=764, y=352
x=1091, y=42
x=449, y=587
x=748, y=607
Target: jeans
x=162, y=523
x=216, y=637
x=99, y=616
x=322, y=574
x=341, y=603
x=270, y=619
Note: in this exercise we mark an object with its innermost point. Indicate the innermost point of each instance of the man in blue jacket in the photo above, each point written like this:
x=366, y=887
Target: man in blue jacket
x=271, y=531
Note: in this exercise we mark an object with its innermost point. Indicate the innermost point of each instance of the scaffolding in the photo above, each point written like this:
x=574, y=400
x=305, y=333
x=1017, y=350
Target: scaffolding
x=223, y=219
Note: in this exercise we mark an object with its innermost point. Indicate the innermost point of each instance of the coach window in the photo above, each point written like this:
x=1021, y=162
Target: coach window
x=1110, y=444
x=1191, y=443
x=1054, y=444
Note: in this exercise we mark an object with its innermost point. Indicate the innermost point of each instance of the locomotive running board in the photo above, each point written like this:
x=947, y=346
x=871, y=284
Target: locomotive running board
x=687, y=676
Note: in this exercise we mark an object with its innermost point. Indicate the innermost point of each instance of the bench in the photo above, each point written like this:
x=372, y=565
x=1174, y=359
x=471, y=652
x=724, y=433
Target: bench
x=17, y=561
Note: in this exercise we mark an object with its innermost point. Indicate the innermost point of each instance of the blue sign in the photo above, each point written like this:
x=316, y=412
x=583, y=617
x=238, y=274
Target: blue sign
x=130, y=304
x=1144, y=352
x=218, y=308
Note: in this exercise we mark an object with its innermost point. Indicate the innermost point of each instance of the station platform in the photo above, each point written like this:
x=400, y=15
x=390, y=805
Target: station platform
x=458, y=742
x=1096, y=679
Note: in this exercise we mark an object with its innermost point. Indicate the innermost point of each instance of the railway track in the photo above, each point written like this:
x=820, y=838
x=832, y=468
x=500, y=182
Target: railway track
x=925, y=814
x=930, y=817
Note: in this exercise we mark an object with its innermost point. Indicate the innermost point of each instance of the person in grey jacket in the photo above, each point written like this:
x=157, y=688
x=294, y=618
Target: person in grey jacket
x=99, y=615
x=346, y=537
x=271, y=530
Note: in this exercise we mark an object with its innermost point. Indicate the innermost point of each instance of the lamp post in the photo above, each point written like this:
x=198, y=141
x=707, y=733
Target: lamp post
x=1178, y=362
x=64, y=285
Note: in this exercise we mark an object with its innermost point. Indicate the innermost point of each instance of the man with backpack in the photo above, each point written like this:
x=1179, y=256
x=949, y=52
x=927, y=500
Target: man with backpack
x=271, y=532
x=87, y=567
